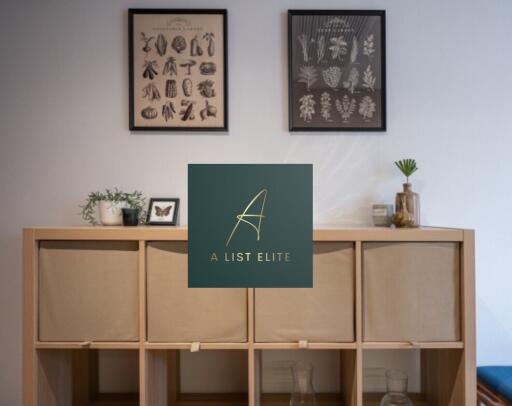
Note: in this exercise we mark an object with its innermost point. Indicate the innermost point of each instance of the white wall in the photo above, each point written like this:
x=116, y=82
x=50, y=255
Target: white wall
x=64, y=116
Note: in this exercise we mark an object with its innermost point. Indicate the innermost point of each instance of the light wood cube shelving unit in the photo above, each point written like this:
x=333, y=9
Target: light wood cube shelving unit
x=375, y=289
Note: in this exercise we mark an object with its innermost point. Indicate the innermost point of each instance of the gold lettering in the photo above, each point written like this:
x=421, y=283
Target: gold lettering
x=213, y=257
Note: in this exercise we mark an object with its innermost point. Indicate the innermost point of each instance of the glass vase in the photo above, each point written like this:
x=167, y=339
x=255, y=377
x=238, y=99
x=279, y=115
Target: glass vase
x=396, y=382
x=303, y=393
x=407, y=208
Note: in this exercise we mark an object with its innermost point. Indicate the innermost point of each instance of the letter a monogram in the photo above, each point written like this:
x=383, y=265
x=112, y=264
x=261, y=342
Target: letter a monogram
x=245, y=217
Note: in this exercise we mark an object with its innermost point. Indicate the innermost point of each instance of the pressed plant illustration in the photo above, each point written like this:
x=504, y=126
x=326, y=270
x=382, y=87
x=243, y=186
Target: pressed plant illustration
x=149, y=113
x=407, y=167
x=369, y=79
x=369, y=46
x=307, y=107
x=325, y=106
x=186, y=86
x=320, y=49
x=206, y=88
x=146, y=48
x=170, y=67
x=332, y=76
x=352, y=80
x=151, y=92
x=195, y=49
x=308, y=75
x=338, y=47
x=168, y=110
x=171, y=88
x=211, y=43
x=161, y=45
x=304, y=43
x=208, y=111
x=150, y=70
x=346, y=107
x=354, y=52
x=367, y=107
x=179, y=44
x=187, y=110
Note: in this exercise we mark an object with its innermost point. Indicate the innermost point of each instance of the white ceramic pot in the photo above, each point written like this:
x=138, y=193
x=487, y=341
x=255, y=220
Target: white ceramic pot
x=110, y=213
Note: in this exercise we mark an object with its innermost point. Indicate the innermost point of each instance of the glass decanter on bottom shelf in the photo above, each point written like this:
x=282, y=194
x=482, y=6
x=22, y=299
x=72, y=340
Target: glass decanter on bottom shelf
x=396, y=395
x=303, y=393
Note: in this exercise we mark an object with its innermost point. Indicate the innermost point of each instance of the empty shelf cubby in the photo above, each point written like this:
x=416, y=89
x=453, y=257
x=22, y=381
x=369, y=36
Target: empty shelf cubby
x=85, y=377
x=183, y=378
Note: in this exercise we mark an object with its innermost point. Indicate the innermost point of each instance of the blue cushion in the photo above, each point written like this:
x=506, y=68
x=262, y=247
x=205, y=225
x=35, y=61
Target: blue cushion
x=499, y=379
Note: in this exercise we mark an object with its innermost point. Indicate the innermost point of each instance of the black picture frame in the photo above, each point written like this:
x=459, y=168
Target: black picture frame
x=153, y=201
x=133, y=118
x=362, y=123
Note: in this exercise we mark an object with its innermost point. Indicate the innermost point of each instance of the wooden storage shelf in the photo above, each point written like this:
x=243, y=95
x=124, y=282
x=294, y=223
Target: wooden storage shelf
x=345, y=330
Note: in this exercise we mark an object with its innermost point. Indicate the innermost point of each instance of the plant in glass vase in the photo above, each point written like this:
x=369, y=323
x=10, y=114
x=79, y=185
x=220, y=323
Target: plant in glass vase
x=407, y=202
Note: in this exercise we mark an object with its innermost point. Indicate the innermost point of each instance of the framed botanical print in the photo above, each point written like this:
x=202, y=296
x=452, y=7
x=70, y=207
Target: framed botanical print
x=178, y=70
x=337, y=70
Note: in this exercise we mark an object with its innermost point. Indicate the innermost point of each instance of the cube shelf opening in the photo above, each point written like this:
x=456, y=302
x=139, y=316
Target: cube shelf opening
x=435, y=376
x=85, y=377
x=334, y=376
x=183, y=378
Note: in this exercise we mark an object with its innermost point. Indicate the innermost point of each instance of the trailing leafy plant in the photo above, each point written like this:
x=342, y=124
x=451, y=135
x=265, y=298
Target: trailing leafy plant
x=407, y=167
x=134, y=200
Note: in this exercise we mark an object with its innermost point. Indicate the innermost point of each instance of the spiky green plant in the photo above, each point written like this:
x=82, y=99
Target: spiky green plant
x=407, y=167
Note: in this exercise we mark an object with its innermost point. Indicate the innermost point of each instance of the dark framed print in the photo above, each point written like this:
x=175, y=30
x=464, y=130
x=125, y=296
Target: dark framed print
x=337, y=70
x=178, y=70
x=163, y=211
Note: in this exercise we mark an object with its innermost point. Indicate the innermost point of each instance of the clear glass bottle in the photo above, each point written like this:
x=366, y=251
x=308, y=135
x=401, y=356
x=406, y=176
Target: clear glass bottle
x=303, y=393
x=407, y=208
x=396, y=382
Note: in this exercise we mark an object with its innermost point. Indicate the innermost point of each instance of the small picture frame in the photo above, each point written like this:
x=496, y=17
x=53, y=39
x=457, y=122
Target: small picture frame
x=163, y=211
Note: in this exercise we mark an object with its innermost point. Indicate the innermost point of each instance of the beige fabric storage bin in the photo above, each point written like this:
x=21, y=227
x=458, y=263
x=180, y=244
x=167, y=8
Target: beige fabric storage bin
x=411, y=291
x=177, y=313
x=88, y=291
x=324, y=313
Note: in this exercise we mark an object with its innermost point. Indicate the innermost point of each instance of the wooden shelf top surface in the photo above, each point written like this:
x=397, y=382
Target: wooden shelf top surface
x=320, y=233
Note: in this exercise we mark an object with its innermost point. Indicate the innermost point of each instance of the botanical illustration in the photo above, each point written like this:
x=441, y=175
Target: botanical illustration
x=369, y=46
x=178, y=71
x=325, y=106
x=307, y=107
x=308, y=75
x=367, y=107
x=369, y=79
x=338, y=47
x=352, y=80
x=336, y=71
x=346, y=107
x=332, y=76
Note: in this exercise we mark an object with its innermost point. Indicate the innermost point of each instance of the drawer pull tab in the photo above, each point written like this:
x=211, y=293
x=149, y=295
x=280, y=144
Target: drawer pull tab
x=303, y=344
x=85, y=344
x=194, y=347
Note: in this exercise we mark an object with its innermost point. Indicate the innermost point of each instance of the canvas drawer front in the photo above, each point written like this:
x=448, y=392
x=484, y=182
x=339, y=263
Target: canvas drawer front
x=88, y=291
x=411, y=291
x=178, y=314
x=324, y=313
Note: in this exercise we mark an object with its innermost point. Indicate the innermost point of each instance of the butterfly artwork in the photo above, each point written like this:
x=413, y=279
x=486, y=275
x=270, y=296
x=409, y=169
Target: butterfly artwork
x=163, y=211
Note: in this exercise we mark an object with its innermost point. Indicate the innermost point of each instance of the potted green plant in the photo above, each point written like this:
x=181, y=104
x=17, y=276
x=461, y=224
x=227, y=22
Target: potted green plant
x=110, y=204
x=407, y=202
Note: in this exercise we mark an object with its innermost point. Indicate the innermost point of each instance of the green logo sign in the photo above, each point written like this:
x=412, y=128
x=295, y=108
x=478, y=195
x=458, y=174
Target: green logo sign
x=250, y=225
